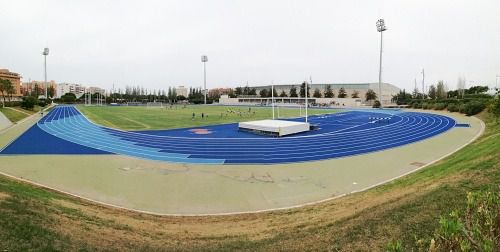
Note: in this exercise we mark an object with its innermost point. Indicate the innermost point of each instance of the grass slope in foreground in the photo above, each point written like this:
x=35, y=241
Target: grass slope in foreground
x=407, y=210
x=144, y=118
x=16, y=114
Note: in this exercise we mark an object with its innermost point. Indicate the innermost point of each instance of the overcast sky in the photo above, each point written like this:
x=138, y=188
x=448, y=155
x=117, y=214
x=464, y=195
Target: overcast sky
x=158, y=44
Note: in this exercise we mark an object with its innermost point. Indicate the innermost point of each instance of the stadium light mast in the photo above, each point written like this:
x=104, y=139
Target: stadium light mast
x=204, y=59
x=45, y=53
x=380, y=28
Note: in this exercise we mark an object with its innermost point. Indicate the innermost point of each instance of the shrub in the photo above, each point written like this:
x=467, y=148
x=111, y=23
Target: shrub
x=440, y=106
x=42, y=103
x=473, y=107
x=28, y=102
x=453, y=107
x=376, y=104
x=494, y=109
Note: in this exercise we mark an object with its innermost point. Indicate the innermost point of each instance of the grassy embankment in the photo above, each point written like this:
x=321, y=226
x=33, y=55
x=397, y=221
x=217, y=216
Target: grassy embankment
x=141, y=118
x=32, y=218
x=16, y=114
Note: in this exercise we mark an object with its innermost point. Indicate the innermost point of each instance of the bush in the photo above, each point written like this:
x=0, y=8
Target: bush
x=494, y=109
x=12, y=103
x=28, y=102
x=426, y=105
x=473, y=107
x=42, y=103
x=440, y=106
x=68, y=98
x=376, y=104
x=453, y=107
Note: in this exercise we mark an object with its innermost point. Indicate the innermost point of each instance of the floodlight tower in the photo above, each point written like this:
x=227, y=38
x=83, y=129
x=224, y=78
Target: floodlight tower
x=204, y=59
x=45, y=53
x=380, y=28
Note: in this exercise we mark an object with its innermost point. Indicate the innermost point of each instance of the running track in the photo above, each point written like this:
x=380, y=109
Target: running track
x=340, y=135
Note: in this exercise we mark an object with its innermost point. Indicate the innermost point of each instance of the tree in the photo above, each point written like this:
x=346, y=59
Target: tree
x=293, y=92
x=329, y=92
x=5, y=86
x=441, y=90
x=252, y=91
x=432, y=92
x=246, y=90
x=283, y=94
x=342, y=93
x=36, y=91
x=416, y=94
x=355, y=94
x=402, y=97
x=370, y=95
x=10, y=89
x=68, y=98
x=477, y=90
x=231, y=93
x=274, y=92
x=317, y=93
x=263, y=93
x=303, y=89
x=29, y=102
x=238, y=91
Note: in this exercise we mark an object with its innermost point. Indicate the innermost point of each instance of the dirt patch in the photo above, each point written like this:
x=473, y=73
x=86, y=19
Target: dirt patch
x=4, y=196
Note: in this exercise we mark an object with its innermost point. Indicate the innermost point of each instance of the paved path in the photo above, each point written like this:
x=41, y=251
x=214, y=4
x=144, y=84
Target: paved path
x=4, y=121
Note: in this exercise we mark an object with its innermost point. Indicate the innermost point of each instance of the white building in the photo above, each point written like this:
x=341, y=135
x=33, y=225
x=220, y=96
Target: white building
x=181, y=90
x=63, y=88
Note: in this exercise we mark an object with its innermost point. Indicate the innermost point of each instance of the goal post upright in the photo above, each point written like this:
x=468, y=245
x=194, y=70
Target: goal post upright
x=272, y=96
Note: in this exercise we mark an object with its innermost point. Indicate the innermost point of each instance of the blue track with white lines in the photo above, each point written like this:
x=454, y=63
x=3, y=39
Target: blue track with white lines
x=339, y=135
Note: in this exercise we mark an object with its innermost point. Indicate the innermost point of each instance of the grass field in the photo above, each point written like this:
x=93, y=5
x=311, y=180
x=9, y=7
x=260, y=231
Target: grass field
x=407, y=209
x=143, y=118
x=16, y=114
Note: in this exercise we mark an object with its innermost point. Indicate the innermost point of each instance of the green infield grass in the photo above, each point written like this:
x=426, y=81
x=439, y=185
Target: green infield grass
x=179, y=116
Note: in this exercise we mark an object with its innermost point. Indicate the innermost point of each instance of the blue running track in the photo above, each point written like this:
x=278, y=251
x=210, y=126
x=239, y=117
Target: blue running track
x=66, y=131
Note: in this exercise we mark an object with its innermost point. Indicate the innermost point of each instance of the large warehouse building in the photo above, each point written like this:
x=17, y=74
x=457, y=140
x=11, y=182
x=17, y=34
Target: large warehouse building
x=388, y=90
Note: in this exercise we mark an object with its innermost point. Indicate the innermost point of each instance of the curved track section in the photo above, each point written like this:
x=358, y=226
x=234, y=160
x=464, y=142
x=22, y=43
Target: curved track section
x=361, y=135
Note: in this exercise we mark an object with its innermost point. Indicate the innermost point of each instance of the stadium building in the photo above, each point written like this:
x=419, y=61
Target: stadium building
x=388, y=90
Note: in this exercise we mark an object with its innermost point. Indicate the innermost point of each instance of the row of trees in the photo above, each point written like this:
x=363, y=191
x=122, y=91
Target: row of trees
x=328, y=93
x=438, y=92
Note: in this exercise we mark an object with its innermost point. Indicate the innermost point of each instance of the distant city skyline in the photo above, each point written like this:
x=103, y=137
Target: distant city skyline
x=157, y=44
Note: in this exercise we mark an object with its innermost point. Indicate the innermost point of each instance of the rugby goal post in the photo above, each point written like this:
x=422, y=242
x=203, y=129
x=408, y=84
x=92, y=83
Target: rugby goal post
x=154, y=104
